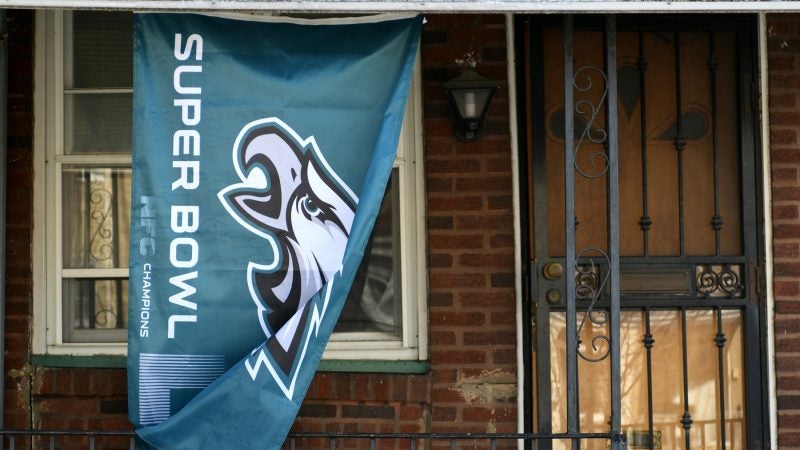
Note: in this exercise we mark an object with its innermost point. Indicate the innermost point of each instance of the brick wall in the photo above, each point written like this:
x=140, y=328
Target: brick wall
x=472, y=384
x=470, y=237
x=37, y=397
x=784, y=91
x=18, y=241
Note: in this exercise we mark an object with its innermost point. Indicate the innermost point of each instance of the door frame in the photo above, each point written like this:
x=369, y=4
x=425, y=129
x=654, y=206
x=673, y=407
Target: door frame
x=758, y=127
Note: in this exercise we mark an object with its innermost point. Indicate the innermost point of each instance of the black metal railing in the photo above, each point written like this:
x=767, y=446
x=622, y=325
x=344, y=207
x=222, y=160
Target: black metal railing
x=97, y=440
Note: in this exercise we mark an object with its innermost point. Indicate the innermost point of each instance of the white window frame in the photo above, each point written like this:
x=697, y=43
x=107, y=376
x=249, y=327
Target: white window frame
x=48, y=158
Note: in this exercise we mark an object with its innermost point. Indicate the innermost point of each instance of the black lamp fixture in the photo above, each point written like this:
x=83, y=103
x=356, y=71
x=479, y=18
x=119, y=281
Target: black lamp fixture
x=469, y=95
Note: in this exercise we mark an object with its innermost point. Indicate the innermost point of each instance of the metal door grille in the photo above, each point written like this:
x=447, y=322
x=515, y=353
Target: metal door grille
x=682, y=286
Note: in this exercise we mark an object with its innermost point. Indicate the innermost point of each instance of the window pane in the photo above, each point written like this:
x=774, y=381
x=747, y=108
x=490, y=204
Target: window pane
x=100, y=51
x=96, y=217
x=374, y=303
x=96, y=310
x=97, y=123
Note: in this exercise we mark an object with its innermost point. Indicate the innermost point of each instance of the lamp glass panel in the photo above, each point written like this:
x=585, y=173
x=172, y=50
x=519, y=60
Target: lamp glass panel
x=471, y=102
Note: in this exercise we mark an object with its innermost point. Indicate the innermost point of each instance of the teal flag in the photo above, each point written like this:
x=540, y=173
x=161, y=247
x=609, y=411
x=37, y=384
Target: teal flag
x=262, y=150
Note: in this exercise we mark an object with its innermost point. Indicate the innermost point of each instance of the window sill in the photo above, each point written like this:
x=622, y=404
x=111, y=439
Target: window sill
x=354, y=366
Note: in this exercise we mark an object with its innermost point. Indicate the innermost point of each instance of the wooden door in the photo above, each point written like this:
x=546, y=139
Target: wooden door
x=688, y=225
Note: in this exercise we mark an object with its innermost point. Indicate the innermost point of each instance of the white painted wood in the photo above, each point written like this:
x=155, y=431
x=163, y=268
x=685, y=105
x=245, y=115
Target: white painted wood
x=38, y=229
x=420, y=227
x=514, y=131
x=772, y=400
x=80, y=91
x=424, y=6
x=95, y=273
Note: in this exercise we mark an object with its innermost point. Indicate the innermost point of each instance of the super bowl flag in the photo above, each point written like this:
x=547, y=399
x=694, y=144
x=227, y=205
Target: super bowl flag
x=262, y=149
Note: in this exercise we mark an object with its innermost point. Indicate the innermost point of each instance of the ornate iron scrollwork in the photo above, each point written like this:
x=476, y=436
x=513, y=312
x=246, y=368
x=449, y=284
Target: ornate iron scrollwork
x=719, y=281
x=101, y=243
x=105, y=318
x=590, y=282
x=583, y=81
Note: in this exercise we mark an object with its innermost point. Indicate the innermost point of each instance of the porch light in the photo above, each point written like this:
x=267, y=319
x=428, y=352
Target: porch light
x=469, y=95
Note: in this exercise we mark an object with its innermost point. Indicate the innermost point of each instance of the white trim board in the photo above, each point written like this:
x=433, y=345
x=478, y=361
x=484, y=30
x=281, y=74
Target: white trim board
x=513, y=129
x=428, y=6
x=763, y=67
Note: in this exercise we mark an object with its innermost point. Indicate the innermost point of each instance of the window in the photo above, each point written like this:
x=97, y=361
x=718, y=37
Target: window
x=82, y=192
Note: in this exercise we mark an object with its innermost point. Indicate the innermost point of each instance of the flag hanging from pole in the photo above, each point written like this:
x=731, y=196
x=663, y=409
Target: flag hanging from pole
x=262, y=149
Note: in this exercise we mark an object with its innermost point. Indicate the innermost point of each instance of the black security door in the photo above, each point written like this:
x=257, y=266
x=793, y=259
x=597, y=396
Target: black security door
x=649, y=156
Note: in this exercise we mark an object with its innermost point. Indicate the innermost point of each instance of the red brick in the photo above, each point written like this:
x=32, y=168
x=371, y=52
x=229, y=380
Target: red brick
x=410, y=412
x=490, y=338
x=786, y=324
x=787, y=307
x=437, y=128
x=504, y=356
x=442, y=338
x=484, y=221
x=457, y=319
x=787, y=269
x=382, y=388
x=787, y=362
x=785, y=382
x=489, y=145
x=449, y=395
x=789, y=420
x=457, y=280
x=445, y=376
x=789, y=118
x=487, y=260
x=444, y=414
x=788, y=250
x=503, y=202
x=781, y=26
x=461, y=241
x=458, y=357
x=317, y=410
x=323, y=386
x=51, y=382
x=400, y=388
x=785, y=155
x=484, y=414
x=437, y=184
x=482, y=34
x=499, y=165
x=786, y=193
x=343, y=391
x=361, y=388
x=440, y=299
x=501, y=241
x=68, y=405
x=782, y=212
x=786, y=288
x=455, y=203
x=408, y=428
x=785, y=81
x=440, y=261
x=368, y=411
x=418, y=389
x=452, y=166
x=781, y=63
x=504, y=318
x=500, y=279
x=784, y=175
x=488, y=298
